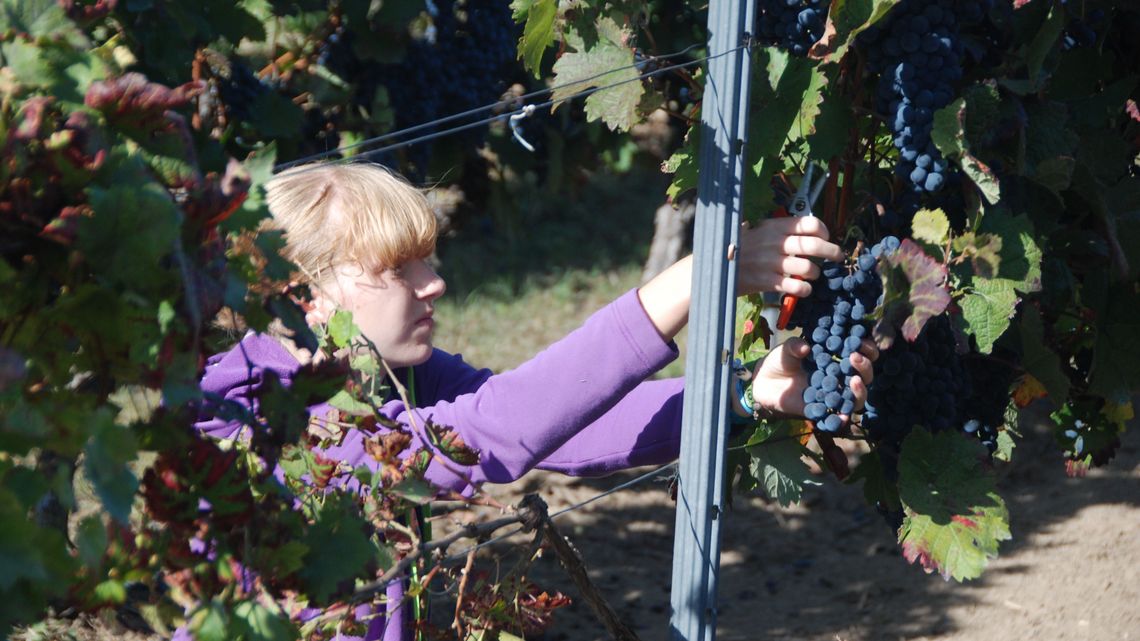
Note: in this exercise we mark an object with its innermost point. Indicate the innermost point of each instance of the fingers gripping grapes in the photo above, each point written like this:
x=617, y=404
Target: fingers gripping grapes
x=780, y=379
x=824, y=375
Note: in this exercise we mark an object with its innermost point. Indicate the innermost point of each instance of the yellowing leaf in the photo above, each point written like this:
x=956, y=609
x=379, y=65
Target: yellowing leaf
x=931, y=227
x=585, y=68
x=1028, y=390
x=1118, y=412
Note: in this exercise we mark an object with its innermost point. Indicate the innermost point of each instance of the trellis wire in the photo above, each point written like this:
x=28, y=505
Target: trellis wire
x=488, y=107
x=504, y=116
x=724, y=117
x=617, y=488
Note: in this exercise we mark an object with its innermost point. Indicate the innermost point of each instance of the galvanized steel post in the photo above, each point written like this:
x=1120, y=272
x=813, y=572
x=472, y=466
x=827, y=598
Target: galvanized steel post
x=724, y=118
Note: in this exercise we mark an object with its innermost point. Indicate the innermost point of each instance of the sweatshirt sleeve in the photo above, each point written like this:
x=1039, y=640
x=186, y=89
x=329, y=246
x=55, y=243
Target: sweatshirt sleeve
x=581, y=404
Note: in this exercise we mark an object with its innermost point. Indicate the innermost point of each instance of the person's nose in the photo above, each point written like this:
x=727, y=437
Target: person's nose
x=432, y=286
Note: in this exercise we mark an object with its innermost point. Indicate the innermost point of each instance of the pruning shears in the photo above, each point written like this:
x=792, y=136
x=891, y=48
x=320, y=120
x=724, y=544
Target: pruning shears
x=800, y=204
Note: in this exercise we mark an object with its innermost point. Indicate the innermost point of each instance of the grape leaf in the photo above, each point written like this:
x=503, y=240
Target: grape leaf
x=1005, y=445
x=339, y=548
x=1114, y=374
x=107, y=455
x=37, y=18
x=779, y=81
x=948, y=131
x=1027, y=390
x=1047, y=135
x=91, y=541
x=1020, y=256
x=983, y=177
x=931, y=227
x=1042, y=43
x=1055, y=174
x=954, y=518
x=949, y=135
x=987, y=309
x=848, y=18
x=587, y=67
x=341, y=329
x=133, y=226
x=256, y=622
x=210, y=622
x=810, y=106
x=926, y=297
x=538, y=34
x=776, y=463
x=684, y=165
x=26, y=63
x=983, y=250
x=877, y=488
x=983, y=113
x=1039, y=361
x=832, y=126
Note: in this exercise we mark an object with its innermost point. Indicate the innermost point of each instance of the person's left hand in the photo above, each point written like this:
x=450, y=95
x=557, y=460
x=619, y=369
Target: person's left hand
x=776, y=255
x=779, y=380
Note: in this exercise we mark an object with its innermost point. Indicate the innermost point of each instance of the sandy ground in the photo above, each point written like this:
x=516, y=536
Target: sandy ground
x=829, y=569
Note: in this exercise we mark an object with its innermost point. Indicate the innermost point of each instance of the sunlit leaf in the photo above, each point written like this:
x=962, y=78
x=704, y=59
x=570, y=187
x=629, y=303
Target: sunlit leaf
x=954, y=518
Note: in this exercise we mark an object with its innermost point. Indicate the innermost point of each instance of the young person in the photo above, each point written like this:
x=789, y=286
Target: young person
x=361, y=238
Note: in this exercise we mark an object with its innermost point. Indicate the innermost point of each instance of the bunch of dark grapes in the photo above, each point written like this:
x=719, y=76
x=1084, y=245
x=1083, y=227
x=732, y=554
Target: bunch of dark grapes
x=917, y=51
x=990, y=379
x=917, y=383
x=461, y=63
x=238, y=87
x=832, y=319
x=792, y=25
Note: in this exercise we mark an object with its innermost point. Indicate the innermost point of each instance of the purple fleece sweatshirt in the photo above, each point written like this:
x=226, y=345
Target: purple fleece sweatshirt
x=582, y=407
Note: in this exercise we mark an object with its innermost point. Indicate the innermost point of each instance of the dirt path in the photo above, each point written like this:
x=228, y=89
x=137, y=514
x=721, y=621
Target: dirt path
x=829, y=570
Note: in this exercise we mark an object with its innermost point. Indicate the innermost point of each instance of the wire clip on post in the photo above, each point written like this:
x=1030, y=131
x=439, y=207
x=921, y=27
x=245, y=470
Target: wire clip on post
x=515, y=131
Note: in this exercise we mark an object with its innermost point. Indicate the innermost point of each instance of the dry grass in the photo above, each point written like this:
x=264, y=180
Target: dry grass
x=500, y=333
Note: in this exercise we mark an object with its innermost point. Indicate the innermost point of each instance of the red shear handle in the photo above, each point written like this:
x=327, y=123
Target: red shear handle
x=788, y=302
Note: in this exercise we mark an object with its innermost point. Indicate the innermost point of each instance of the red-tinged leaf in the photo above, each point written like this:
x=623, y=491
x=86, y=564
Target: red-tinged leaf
x=953, y=518
x=88, y=12
x=1028, y=389
x=1132, y=110
x=451, y=445
x=1017, y=4
x=217, y=197
x=1078, y=468
x=322, y=470
x=385, y=448
x=33, y=117
x=65, y=227
x=133, y=99
x=915, y=291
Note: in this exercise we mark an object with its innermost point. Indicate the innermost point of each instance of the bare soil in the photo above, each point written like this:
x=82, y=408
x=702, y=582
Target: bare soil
x=830, y=570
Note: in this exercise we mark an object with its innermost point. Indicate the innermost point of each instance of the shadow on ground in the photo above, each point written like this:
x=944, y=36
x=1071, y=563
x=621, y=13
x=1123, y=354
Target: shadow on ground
x=829, y=569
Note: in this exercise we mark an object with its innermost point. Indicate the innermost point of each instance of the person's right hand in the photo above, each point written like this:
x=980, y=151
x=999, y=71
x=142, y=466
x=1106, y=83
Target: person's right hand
x=779, y=379
x=774, y=255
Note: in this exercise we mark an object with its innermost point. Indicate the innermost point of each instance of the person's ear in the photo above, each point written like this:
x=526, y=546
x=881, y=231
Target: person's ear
x=320, y=308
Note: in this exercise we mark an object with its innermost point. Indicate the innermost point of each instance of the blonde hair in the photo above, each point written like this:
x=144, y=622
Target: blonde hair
x=337, y=213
